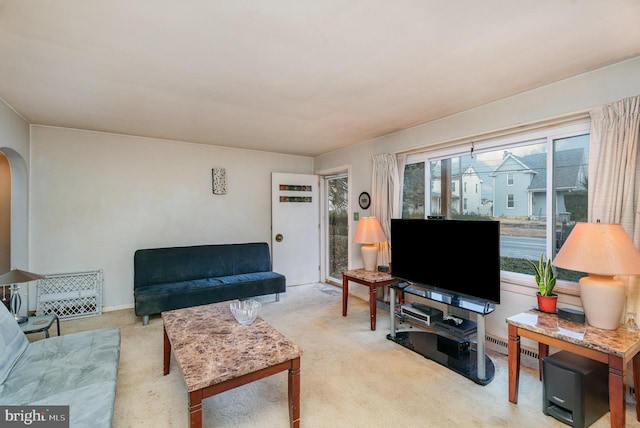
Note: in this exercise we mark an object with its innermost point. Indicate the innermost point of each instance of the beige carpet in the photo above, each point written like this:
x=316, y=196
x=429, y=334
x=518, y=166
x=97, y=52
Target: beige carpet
x=351, y=376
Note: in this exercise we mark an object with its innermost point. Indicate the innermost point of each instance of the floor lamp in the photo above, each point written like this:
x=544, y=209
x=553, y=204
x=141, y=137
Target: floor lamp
x=369, y=233
x=13, y=278
x=603, y=251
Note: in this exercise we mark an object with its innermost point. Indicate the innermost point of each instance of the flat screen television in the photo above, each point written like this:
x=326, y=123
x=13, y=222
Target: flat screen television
x=458, y=256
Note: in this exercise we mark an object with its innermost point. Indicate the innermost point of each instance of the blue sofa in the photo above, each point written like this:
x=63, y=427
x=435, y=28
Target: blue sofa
x=78, y=370
x=181, y=277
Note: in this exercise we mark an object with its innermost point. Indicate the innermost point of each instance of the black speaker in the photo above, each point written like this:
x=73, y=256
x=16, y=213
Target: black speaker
x=571, y=315
x=575, y=389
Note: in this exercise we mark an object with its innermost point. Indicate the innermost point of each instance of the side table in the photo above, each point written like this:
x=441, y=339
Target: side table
x=613, y=347
x=373, y=280
x=39, y=323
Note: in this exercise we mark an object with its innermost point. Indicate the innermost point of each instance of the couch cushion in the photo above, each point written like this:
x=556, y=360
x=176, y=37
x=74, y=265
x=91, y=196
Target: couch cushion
x=174, y=288
x=66, y=370
x=177, y=264
x=13, y=342
x=248, y=258
x=157, y=298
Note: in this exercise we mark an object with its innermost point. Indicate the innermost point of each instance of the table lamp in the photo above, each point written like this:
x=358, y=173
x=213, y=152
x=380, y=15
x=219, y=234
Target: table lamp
x=369, y=233
x=13, y=278
x=602, y=251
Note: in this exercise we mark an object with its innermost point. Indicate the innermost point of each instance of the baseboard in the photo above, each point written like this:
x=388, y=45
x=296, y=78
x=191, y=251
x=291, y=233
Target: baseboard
x=117, y=307
x=528, y=356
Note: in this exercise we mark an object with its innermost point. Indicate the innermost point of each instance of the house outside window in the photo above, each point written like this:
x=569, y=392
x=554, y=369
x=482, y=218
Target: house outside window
x=550, y=161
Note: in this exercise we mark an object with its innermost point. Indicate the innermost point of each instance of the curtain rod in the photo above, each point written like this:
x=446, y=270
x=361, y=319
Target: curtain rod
x=478, y=138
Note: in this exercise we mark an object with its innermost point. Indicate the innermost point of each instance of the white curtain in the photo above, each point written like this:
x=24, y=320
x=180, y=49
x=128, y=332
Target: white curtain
x=614, y=174
x=386, y=193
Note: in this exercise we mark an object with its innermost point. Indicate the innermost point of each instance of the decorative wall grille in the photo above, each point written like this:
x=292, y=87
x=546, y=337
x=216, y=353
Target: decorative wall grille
x=70, y=295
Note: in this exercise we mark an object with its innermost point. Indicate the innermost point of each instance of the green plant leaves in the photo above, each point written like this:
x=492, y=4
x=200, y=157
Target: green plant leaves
x=545, y=276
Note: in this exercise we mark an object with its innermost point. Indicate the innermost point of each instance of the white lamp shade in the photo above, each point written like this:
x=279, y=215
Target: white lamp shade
x=601, y=250
x=369, y=231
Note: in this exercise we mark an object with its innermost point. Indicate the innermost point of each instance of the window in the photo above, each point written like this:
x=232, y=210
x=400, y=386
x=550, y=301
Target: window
x=513, y=177
x=511, y=204
x=337, y=228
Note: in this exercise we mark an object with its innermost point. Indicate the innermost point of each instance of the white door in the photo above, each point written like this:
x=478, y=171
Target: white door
x=295, y=227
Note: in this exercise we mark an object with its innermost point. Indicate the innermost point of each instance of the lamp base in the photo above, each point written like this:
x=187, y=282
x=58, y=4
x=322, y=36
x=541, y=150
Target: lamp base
x=369, y=256
x=603, y=300
x=21, y=319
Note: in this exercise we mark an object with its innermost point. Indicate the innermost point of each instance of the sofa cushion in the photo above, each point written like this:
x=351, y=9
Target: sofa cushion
x=177, y=264
x=249, y=258
x=173, y=288
x=13, y=342
x=79, y=370
x=165, y=297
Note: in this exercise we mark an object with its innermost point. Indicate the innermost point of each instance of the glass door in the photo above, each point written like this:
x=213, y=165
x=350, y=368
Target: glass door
x=337, y=227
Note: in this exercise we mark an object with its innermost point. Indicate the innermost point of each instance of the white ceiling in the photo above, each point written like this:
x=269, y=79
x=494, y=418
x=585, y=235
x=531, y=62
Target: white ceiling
x=292, y=76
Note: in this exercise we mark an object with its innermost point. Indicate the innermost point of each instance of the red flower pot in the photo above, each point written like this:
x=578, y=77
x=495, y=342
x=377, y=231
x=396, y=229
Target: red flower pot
x=547, y=303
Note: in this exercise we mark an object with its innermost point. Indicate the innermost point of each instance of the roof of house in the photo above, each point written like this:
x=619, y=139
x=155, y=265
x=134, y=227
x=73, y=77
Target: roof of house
x=568, y=164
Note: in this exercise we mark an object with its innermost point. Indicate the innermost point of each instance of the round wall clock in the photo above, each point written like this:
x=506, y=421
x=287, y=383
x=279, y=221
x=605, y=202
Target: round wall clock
x=364, y=200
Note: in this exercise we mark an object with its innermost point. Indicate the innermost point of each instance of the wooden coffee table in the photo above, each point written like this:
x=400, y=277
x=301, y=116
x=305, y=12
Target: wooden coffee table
x=215, y=354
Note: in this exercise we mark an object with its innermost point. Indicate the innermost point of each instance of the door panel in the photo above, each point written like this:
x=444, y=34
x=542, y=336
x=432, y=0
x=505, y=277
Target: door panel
x=295, y=222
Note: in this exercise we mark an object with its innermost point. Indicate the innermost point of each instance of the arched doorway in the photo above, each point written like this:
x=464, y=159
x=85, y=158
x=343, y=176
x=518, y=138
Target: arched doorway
x=5, y=214
x=13, y=211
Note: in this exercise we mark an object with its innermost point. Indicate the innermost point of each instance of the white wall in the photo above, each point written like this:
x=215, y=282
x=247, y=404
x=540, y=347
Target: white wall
x=14, y=131
x=14, y=143
x=574, y=95
x=96, y=198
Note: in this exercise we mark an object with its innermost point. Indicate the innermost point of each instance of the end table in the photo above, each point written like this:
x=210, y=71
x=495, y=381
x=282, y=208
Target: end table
x=39, y=323
x=373, y=280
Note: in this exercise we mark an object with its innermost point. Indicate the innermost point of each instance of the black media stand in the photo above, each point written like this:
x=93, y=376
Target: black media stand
x=448, y=344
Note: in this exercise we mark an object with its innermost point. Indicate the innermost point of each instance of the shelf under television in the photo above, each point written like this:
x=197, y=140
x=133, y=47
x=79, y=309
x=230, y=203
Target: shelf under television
x=462, y=353
x=448, y=298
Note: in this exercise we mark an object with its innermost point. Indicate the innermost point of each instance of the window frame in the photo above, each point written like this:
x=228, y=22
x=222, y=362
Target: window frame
x=543, y=134
x=510, y=179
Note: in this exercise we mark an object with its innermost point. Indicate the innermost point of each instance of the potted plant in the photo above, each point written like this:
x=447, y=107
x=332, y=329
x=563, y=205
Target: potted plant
x=546, y=280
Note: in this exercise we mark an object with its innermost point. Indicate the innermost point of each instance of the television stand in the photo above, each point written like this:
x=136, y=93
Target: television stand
x=446, y=346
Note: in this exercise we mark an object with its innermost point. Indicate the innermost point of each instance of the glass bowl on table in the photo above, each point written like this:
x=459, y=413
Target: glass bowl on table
x=245, y=311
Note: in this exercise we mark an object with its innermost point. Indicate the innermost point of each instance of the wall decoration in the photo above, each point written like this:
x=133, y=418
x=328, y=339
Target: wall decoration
x=364, y=200
x=295, y=198
x=219, y=181
x=295, y=188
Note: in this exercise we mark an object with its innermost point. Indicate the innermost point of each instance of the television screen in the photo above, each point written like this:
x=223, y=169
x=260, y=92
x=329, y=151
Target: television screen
x=459, y=256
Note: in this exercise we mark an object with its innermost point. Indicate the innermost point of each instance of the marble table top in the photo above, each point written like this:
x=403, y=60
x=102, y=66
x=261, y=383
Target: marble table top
x=211, y=347
x=620, y=342
x=369, y=276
